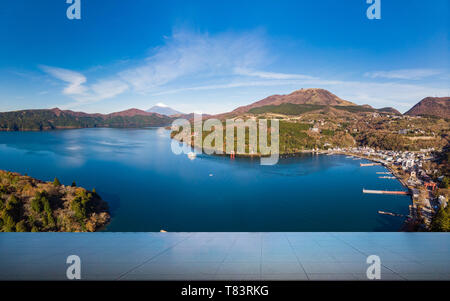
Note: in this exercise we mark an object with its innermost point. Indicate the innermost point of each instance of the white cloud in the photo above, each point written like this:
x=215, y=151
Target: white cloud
x=82, y=93
x=160, y=104
x=410, y=74
x=190, y=61
x=74, y=79
x=399, y=96
x=104, y=89
x=270, y=75
x=187, y=54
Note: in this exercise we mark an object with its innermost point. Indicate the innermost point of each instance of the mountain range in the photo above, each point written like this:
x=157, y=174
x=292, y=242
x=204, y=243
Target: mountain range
x=48, y=119
x=296, y=103
x=302, y=101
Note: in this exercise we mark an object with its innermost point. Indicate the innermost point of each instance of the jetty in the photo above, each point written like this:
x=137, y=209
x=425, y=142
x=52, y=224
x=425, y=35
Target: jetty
x=387, y=177
x=384, y=173
x=392, y=214
x=368, y=164
x=385, y=192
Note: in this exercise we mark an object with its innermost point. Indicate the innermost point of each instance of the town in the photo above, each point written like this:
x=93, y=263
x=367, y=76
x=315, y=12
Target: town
x=418, y=171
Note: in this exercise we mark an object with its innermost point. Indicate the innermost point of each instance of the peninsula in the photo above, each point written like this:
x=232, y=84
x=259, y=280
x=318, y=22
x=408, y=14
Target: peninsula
x=28, y=204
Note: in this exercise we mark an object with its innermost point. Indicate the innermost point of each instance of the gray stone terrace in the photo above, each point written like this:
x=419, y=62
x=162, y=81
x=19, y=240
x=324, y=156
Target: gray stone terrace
x=225, y=256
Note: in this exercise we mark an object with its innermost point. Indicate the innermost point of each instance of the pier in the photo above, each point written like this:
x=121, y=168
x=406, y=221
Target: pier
x=385, y=192
x=368, y=164
x=392, y=214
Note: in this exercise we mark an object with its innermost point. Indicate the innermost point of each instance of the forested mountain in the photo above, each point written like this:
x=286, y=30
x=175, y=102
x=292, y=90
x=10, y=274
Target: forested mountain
x=37, y=120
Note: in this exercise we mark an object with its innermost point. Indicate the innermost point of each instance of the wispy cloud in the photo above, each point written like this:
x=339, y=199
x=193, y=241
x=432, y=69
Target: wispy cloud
x=74, y=79
x=76, y=86
x=192, y=61
x=398, y=95
x=196, y=55
x=103, y=89
x=409, y=74
x=270, y=75
x=184, y=56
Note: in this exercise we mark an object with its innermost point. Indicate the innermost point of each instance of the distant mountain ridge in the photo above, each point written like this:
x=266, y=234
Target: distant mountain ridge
x=164, y=110
x=431, y=106
x=390, y=110
x=296, y=103
x=47, y=119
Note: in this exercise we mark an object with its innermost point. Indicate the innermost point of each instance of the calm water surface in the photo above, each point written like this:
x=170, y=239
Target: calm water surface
x=149, y=188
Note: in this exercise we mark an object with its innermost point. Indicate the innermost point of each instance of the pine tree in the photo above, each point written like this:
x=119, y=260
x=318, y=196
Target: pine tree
x=21, y=227
x=56, y=182
x=441, y=221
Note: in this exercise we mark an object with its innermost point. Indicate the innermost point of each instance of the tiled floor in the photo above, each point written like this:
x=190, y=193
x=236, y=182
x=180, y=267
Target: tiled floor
x=225, y=256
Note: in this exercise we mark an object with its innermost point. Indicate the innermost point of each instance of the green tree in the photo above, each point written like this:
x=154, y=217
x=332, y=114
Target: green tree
x=13, y=207
x=445, y=182
x=36, y=204
x=12, y=203
x=78, y=208
x=21, y=226
x=56, y=182
x=46, y=204
x=50, y=220
x=441, y=221
x=9, y=223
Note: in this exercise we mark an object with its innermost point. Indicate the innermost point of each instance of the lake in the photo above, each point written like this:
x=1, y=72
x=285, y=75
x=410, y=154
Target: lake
x=149, y=188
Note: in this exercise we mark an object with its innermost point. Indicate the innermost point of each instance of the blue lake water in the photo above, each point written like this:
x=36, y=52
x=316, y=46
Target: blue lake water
x=149, y=188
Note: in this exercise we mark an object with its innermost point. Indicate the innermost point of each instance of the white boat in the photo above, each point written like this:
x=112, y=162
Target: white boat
x=192, y=155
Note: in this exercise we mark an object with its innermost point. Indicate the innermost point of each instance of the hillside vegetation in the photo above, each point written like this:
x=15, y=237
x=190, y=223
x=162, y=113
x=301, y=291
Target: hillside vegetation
x=38, y=120
x=27, y=204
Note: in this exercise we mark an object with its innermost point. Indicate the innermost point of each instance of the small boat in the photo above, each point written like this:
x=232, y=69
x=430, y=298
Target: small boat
x=192, y=155
x=162, y=231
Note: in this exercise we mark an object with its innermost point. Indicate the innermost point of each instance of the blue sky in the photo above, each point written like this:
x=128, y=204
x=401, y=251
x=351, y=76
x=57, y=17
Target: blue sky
x=212, y=56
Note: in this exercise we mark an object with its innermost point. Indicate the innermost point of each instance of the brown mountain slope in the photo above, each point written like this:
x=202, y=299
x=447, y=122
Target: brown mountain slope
x=126, y=113
x=390, y=110
x=134, y=112
x=303, y=96
x=432, y=106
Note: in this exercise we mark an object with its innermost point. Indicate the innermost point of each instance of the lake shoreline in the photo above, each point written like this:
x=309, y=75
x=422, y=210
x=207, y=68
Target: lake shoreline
x=408, y=223
x=290, y=196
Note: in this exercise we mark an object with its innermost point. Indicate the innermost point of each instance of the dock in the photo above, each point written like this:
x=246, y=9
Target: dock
x=392, y=214
x=384, y=173
x=385, y=192
x=368, y=164
x=387, y=177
